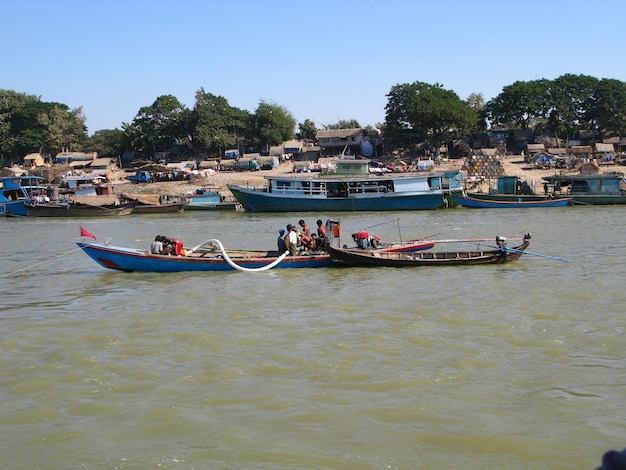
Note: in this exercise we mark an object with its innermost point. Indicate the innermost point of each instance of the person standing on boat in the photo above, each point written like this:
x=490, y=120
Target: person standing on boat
x=321, y=235
x=291, y=240
x=306, y=230
x=282, y=245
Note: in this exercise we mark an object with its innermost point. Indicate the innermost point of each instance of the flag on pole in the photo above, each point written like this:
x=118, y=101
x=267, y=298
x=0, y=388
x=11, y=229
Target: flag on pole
x=85, y=233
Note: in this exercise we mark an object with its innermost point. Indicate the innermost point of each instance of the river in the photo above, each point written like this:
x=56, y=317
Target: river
x=510, y=366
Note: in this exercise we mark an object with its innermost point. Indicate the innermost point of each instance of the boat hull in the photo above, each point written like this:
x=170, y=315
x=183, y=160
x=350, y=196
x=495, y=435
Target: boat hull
x=129, y=260
x=259, y=200
x=157, y=208
x=349, y=257
x=474, y=203
x=71, y=210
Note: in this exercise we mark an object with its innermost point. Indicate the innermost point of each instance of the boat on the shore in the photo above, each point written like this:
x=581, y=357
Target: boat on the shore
x=209, y=199
x=350, y=188
x=16, y=191
x=473, y=203
x=76, y=209
x=595, y=189
x=491, y=255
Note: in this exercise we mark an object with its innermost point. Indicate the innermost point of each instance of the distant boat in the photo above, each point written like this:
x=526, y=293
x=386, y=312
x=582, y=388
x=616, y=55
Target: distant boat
x=467, y=201
x=16, y=191
x=508, y=188
x=596, y=189
x=158, y=208
x=351, y=188
x=75, y=209
x=209, y=199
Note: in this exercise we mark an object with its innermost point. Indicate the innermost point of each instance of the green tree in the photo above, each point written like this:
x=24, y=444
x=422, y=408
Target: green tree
x=20, y=132
x=419, y=112
x=570, y=97
x=307, y=130
x=344, y=124
x=159, y=126
x=522, y=104
x=109, y=143
x=476, y=102
x=218, y=125
x=65, y=130
x=274, y=124
x=607, y=112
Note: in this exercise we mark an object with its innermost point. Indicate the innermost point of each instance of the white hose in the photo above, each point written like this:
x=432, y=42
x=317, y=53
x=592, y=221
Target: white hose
x=235, y=265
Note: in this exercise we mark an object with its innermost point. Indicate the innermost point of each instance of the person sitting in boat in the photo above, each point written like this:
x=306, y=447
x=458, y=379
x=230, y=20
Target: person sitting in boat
x=282, y=245
x=157, y=246
x=305, y=242
x=171, y=246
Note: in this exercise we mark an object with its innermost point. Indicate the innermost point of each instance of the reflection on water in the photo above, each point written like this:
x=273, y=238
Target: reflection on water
x=513, y=366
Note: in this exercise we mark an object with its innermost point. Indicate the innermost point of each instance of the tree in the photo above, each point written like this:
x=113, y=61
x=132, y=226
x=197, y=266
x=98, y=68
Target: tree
x=64, y=130
x=607, y=111
x=273, y=124
x=307, y=130
x=344, y=124
x=476, y=102
x=521, y=105
x=419, y=112
x=218, y=125
x=570, y=98
x=109, y=143
x=159, y=126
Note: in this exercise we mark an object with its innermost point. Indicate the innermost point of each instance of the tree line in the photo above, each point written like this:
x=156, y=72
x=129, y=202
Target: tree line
x=415, y=113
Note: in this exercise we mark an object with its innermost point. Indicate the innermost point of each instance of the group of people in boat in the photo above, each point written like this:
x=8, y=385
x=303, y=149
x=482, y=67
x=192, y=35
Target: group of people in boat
x=296, y=240
x=163, y=245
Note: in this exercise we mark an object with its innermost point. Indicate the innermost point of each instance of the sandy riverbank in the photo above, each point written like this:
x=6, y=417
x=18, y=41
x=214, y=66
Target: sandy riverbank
x=513, y=166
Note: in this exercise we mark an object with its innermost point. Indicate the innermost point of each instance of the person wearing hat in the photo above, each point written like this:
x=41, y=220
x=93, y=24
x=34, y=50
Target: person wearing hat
x=291, y=240
x=282, y=247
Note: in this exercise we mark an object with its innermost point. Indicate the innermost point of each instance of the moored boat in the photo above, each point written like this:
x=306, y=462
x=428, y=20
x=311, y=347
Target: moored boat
x=595, y=189
x=16, y=191
x=471, y=202
x=75, y=209
x=351, y=188
x=209, y=199
x=158, y=208
x=491, y=255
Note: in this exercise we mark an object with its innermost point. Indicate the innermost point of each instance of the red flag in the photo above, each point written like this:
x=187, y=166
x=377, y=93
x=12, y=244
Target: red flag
x=85, y=233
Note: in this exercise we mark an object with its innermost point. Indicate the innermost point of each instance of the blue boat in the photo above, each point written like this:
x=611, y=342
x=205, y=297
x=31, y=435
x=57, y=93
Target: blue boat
x=18, y=190
x=209, y=199
x=350, y=188
x=467, y=201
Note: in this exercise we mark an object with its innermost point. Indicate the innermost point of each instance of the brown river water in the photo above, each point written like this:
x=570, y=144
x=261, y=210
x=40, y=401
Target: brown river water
x=487, y=367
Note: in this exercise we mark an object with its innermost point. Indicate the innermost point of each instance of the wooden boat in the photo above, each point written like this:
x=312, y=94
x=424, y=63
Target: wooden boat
x=508, y=188
x=495, y=255
x=75, y=209
x=211, y=256
x=350, y=188
x=158, y=208
x=471, y=202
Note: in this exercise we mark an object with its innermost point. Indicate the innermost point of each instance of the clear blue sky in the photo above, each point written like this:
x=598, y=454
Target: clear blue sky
x=322, y=60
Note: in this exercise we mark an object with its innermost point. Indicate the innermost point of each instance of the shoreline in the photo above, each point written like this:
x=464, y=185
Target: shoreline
x=513, y=165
